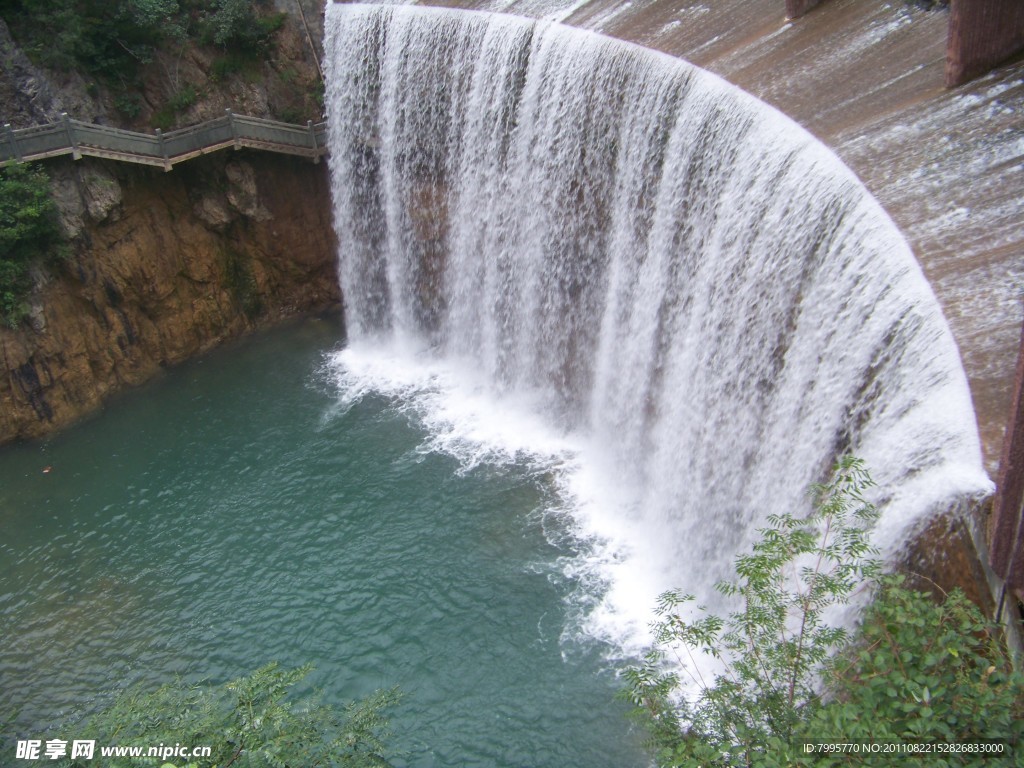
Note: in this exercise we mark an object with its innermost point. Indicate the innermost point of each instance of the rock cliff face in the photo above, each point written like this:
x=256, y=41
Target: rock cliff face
x=164, y=266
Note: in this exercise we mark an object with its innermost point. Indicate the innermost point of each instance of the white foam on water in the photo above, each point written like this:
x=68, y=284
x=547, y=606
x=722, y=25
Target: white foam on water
x=452, y=402
x=465, y=418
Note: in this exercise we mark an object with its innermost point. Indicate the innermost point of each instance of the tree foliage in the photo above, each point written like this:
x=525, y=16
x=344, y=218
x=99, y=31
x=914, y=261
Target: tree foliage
x=925, y=672
x=29, y=233
x=252, y=722
x=917, y=671
x=133, y=50
x=112, y=39
x=235, y=24
x=108, y=39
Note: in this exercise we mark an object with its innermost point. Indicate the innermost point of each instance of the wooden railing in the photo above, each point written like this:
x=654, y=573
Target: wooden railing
x=79, y=139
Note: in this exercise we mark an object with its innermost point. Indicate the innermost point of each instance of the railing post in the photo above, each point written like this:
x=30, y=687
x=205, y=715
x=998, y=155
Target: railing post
x=982, y=33
x=797, y=8
x=234, y=129
x=163, y=149
x=13, y=141
x=312, y=138
x=71, y=136
x=1007, y=532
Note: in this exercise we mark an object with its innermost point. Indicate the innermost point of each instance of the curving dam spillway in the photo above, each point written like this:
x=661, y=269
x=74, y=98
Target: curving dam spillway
x=573, y=247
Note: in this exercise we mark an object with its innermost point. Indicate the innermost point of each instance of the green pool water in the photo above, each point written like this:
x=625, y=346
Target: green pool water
x=232, y=514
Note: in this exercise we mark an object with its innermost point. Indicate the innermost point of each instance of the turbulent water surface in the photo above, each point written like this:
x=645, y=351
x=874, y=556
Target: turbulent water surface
x=245, y=510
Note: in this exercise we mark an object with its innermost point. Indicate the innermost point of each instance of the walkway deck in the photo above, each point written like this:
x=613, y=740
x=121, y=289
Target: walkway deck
x=79, y=139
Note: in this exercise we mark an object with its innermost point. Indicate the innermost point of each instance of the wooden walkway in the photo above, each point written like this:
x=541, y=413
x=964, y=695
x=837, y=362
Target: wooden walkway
x=78, y=139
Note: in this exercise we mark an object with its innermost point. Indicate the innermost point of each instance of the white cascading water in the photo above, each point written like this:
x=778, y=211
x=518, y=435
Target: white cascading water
x=588, y=250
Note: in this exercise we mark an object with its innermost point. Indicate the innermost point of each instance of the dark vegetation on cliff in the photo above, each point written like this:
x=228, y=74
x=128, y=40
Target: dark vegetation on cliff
x=109, y=39
x=164, y=63
x=30, y=235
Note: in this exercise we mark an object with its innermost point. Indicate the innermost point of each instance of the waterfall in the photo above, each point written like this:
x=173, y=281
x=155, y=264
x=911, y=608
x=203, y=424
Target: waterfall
x=623, y=251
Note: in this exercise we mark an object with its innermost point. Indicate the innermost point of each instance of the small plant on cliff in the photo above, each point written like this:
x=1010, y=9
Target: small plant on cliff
x=252, y=721
x=178, y=103
x=241, y=283
x=29, y=233
x=782, y=683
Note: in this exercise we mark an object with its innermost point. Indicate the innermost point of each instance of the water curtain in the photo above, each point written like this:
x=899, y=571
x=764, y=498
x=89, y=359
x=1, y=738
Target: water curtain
x=656, y=262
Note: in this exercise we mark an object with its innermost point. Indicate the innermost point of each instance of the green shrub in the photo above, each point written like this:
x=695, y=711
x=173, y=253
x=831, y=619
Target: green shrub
x=183, y=99
x=235, y=25
x=114, y=40
x=129, y=105
x=110, y=39
x=230, y=63
x=49, y=33
x=29, y=233
x=252, y=721
x=269, y=25
x=917, y=672
x=178, y=103
x=924, y=672
x=291, y=114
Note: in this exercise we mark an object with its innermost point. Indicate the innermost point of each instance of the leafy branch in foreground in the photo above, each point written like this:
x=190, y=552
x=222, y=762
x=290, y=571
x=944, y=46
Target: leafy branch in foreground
x=927, y=673
x=248, y=722
x=776, y=652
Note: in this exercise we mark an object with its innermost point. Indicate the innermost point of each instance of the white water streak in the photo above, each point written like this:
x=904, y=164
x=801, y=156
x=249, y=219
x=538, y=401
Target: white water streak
x=671, y=276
